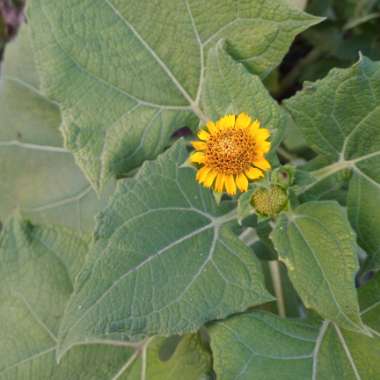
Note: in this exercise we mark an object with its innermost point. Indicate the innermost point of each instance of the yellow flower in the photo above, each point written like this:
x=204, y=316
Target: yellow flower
x=230, y=152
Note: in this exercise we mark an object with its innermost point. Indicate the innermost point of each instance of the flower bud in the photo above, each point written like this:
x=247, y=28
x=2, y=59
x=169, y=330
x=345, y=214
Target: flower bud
x=269, y=201
x=284, y=176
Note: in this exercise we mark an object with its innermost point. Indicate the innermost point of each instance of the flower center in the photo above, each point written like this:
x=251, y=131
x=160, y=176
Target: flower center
x=230, y=152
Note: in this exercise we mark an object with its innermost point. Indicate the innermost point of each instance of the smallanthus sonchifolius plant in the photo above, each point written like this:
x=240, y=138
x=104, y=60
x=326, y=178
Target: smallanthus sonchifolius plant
x=208, y=258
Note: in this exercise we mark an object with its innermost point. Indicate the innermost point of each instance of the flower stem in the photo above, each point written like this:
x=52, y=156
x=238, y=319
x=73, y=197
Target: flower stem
x=274, y=267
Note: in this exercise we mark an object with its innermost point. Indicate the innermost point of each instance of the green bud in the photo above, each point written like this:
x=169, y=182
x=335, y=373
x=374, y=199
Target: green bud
x=269, y=201
x=284, y=176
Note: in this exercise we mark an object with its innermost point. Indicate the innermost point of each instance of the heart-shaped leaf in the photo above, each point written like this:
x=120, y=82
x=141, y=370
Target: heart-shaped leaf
x=164, y=255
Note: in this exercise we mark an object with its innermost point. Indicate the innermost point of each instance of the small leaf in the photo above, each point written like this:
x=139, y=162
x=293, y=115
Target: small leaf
x=339, y=117
x=38, y=176
x=128, y=73
x=165, y=257
x=263, y=346
x=317, y=245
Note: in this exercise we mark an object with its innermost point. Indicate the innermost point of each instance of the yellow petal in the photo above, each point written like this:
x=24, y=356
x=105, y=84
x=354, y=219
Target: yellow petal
x=243, y=120
x=263, y=147
x=210, y=178
x=203, y=135
x=242, y=182
x=212, y=127
x=199, y=145
x=262, y=134
x=202, y=174
x=197, y=157
x=254, y=173
x=219, y=183
x=226, y=122
x=230, y=185
x=254, y=127
x=262, y=164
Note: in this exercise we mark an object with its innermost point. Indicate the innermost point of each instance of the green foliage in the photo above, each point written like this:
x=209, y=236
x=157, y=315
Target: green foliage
x=186, y=229
x=223, y=93
x=313, y=262
x=140, y=78
x=157, y=277
x=38, y=176
x=339, y=118
x=263, y=345
x=171, y=360
x=38, y=265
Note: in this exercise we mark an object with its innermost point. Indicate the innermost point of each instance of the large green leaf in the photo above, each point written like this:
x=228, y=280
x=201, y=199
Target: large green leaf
x=164, y=256
x=127, y=73
x=38, y=176
x=263, y=346
x=317, y=245
x=339, y=117
x=342, y=354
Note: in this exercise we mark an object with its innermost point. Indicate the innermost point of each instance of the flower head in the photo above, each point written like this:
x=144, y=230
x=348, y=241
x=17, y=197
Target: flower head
x=230, y=152
x=269, y=201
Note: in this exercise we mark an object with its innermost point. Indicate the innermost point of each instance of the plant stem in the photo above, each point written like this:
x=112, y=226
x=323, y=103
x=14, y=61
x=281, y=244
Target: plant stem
x=277, y=286
x=143, y=362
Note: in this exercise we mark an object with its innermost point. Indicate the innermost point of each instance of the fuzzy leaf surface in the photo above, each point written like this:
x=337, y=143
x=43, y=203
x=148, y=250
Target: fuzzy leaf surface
x=263, y=346
x=127, y=73
x=38, y=265
x=339, y=117
x=317, y=244
x=38, y=176
x=162, y=247
x=342, y=354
